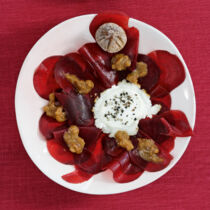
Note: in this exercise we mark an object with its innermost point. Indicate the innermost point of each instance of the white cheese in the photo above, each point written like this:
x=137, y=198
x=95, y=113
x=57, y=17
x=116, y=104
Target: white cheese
x=121, y=107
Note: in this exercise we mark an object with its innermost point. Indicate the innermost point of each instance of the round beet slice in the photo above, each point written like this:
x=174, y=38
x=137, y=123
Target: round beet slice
x=150, y=166
x=100, y=61
x=168, y=124
x=77, y=176
x=172, y=72
x=47, y=125
x=155, y=128
x=94, y=163
x=110, y=147
x=44, y=80
x=167, y=157
x=90, y=134
x=77, y=58
x=83, y=71
x=77, y=106
x=121, y=175
x=60, y=152
x=132, y=46
x=58, y=134
x=165, y=103
x=178, y=122
x=160, y=95
x=117, y=17
x=159, y=92
x=168, y=143
x=123, y=170
x=72, y=64
x=136, y=159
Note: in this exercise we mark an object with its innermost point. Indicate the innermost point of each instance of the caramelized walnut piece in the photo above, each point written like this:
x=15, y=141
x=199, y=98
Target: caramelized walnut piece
x=141, y=71
x=111, y=37
x=53, y=110
x=60, y=115
x=123, y=140
x=82, y=86
x=120, y=62
x=148, y=150
x=73, y=141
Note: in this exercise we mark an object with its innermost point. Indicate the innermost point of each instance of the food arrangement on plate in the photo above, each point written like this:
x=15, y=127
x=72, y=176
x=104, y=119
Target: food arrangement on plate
x=109, y=105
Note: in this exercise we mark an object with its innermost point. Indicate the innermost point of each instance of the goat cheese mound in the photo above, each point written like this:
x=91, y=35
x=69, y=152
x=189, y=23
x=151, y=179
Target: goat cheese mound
x=121, y=107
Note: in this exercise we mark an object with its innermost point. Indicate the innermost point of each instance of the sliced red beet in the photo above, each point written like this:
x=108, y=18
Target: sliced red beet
x=47, y=125
x=123, y=170
x=77, y=58
x=123, y=159
x=100, y=62
x=160, y=95
x=77, y=176
x=133, y=170
x=62, y=67
x=81, y=158
x=132, y=46
x=170, y=123
x=58, y=134
x=110, y=147
x=83, y=70
x=136, y=159
x=164, y=150
x=151, y=79
x=171, y=68
x=179, y=123
x=94, y=163
x=155, y=128
x=60, y=152
x=134, y=154
x=44, y=80
x=105, y=161
x=90, y=135
x=68, y=64
x=117, y=17
x=166, y=156
x=165, y=103
x=150, y=131
x=168, y=143
x=120, y=174
x=126, y=164
x=159, y=92
x=78, y=107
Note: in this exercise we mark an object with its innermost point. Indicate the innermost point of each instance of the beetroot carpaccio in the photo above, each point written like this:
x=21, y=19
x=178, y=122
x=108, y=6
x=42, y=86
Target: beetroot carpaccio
x=64, y=75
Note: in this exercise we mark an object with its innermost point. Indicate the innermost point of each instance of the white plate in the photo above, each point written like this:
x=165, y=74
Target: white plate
x=66, y=37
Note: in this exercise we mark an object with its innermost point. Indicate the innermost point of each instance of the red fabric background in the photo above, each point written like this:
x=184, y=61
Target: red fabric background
x=23, y=186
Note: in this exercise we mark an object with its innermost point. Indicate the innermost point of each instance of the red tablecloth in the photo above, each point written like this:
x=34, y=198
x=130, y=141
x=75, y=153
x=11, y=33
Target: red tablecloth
x=23, y=186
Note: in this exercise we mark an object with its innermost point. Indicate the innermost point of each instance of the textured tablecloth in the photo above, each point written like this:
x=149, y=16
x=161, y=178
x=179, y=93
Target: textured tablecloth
x=23, y=186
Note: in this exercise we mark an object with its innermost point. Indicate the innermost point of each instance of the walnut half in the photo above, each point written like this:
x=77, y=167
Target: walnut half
x=141, y=71
x=53, y=110
x=82, y=86
x=120, y=62
x=123, y=140
x=73, y=141
x=148, y=150
x=111, y=37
